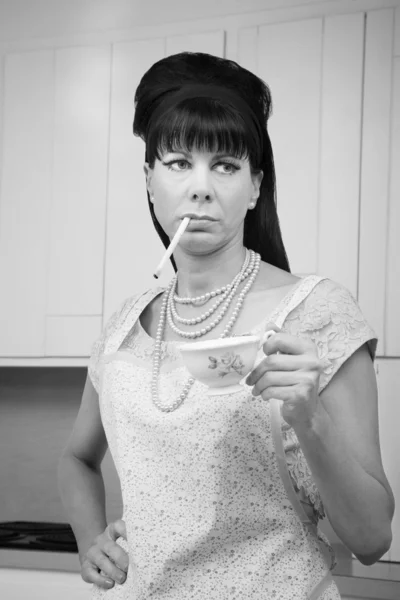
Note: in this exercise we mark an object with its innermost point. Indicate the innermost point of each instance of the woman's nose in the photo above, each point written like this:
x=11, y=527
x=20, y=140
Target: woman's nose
x=201, y=184
x=201, y=193
x=200, y=197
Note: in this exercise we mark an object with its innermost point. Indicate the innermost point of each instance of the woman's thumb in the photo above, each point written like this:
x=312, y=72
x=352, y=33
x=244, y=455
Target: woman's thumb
x=117, y=529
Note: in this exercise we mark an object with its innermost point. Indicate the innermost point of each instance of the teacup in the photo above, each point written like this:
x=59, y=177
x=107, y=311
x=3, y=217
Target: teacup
x=223, y=364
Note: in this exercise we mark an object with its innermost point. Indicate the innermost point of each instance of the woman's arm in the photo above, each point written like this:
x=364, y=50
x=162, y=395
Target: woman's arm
x=80, y=481
x=341, y=446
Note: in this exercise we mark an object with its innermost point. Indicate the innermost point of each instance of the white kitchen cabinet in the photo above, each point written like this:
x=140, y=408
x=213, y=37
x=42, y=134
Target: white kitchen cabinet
x=20, y=584
x=379, y=254
x=76, y=236
x=53, y=201
x=314, y=70
x=319, y=107
x=133, y=247
x=392, y=287
x=335, y=132
x=79, y=196
x=287, y=57
x=25, y=204
x=75, y=225
x=132, y=243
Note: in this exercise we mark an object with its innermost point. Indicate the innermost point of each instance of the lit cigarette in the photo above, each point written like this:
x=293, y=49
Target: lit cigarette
x=172, y=246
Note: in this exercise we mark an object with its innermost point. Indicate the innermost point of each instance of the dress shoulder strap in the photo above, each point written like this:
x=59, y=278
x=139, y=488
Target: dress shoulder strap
x=299, y=294
x=138, y=303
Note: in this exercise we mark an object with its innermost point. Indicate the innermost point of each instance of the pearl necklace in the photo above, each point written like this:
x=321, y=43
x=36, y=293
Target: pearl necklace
x=171, y=406
x=199, y=300
x=195, y=334
x=241, y=276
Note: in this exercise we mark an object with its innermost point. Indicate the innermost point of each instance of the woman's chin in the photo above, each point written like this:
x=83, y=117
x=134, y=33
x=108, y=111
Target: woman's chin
x=199, y=242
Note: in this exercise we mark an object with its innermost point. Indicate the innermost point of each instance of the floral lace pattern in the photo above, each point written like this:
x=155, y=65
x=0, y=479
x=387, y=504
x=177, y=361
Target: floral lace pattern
x=140, y=438
x=331, y=317
x=98, y=348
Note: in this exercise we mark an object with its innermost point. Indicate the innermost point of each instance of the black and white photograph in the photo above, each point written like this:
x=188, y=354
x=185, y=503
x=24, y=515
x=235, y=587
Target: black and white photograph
x=199, y=300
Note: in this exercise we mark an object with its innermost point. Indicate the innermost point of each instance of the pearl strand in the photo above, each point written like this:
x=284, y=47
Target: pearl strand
x=171, y=406
x=241, y=276
x=213, y=324
x=199, y=300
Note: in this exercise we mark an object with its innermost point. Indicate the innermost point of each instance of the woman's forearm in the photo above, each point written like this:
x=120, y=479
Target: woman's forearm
x=83, y=496
x=358, y=506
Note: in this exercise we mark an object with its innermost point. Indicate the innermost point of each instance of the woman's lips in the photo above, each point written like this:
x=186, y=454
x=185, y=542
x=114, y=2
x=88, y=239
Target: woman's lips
x=194, y=217
x=199, y=223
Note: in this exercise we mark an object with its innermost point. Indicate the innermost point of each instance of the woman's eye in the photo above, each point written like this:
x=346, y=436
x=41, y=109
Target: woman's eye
x=173, y=162
x=233, y=168
x=181, y=162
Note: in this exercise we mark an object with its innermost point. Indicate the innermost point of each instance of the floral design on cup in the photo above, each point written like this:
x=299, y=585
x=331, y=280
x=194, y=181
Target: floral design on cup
x=229, y=362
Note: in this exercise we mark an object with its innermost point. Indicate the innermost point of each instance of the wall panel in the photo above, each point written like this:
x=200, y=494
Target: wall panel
x=211, y=42
x=76, y=253
x=133, y=248
x=25, y=200
x=392, y=321
x=376, y=126
x=289, y=61
x=340, y=148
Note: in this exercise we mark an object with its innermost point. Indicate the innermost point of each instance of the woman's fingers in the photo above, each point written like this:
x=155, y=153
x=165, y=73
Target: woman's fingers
x=106, y=562
x=117, y=555
x=91, y=574
x=273, y=378
x=117, y=529
x=107, y=565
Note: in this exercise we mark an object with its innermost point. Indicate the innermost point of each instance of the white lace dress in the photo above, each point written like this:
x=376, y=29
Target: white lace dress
x=213, y=491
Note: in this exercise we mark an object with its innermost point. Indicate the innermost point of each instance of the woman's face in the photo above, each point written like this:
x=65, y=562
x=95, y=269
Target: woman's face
x=202, y=183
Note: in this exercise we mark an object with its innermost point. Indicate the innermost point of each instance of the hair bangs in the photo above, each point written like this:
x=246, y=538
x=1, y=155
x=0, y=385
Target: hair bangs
x=201, y=124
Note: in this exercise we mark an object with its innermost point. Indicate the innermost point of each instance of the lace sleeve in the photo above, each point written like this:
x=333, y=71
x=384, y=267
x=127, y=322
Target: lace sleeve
x=332, y=318
x=98, y=346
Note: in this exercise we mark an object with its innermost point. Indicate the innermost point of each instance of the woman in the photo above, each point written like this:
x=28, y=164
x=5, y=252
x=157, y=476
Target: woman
x=222, y=497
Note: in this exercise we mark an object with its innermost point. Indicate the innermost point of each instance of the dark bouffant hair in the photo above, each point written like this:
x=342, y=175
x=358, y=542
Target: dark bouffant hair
x=209, y=124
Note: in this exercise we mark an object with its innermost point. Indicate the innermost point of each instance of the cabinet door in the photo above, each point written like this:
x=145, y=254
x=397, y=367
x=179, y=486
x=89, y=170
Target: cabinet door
x=392, y=322
x=314, y=71
x=53, y=201
x=133, y=246
x=25, y=200
x=379, y=268
x=78, y=213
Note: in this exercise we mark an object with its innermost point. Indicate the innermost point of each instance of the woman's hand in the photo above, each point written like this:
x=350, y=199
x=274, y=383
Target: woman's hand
x=292, y=375
x=106, y=562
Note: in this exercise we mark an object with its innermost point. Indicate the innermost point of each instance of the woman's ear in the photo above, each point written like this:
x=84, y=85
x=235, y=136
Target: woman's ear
x=257, y=179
